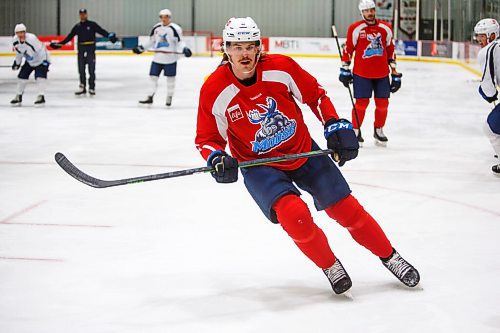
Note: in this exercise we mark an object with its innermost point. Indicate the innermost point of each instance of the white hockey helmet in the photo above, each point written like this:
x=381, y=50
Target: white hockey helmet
x=241, y=29
x=19, y=27
x=487, y=27
x=165, y=12
x=366, y=4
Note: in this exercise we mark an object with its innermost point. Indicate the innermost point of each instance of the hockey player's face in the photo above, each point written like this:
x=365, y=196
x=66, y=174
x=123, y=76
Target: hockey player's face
x=243, y=55
x=83, y=16
x=369, y=14
x=165, y=20
x=483, y=40
x=21, y=35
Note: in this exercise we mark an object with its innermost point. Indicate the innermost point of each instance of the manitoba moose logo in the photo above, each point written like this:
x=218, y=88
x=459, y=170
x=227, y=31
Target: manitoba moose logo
x=375, y=48
x=275, y=127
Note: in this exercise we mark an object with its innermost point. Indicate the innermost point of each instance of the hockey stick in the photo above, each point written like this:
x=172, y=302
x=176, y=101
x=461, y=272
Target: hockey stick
x=168, y=52
x=81, y=176
x=348, y=87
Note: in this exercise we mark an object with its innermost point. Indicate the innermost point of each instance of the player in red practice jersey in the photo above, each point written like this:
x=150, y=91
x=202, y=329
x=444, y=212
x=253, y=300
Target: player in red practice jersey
x=371, y=42
x=250, y=103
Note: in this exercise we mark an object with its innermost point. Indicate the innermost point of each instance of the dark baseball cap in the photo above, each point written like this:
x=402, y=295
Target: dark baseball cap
x=82, y=10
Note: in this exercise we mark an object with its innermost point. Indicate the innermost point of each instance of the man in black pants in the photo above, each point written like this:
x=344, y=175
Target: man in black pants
x=86, y=31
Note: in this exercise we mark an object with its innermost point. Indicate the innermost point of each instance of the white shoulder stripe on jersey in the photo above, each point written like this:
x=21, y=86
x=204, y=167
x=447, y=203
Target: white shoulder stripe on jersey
x=356, y=31
x=389, y=33
x=286, y=79
x=220, y=106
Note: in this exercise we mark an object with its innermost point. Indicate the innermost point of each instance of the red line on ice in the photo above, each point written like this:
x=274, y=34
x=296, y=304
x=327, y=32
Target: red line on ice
x=22, y=211
x=31, y=259
x=486, y=210
x=62, y=225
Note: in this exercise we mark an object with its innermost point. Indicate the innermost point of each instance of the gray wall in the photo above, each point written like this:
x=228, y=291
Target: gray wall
x=275, y=17
x=133, y=17
x=39, y=16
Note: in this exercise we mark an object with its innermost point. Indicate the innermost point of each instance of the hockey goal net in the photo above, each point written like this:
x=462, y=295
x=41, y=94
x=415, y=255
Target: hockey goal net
x=200, y=42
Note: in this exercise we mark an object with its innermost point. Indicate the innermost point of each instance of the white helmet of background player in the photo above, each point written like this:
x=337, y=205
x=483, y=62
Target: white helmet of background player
x=366, y=4
x=19, y=27
x=487, y=27
x=241, y=29
x=165, y=12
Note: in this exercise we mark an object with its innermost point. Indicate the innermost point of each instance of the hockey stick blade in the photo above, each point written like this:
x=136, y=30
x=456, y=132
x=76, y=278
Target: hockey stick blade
x=81, y=176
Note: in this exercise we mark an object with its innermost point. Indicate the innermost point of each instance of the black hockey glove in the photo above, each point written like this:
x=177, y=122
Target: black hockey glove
x=55, y=45
x=396, y=82
x=15, y=66
x=226, y=167
x=345, y=76
x=483, y=95
x=187, y=52
x=112, y=37
x=342, y=140
x=138, y=49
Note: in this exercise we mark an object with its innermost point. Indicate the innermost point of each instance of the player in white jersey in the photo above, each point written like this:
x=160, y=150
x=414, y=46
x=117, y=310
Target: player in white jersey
x=487, y=33
x=167, y=44
x=28, y=46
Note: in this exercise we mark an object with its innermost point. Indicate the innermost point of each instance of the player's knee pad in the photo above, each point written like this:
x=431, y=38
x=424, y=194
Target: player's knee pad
x=348, y=212
x=382, y=103
x=362, y=103
x=295, y=218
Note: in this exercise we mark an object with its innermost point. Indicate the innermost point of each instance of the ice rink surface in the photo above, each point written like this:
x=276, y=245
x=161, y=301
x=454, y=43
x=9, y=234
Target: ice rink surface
x=190, y=255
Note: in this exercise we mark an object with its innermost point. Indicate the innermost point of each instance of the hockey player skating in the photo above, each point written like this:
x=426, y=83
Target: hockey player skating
x=249, y=103
x=167, y=44
x=371, y=41
x=487, y=33
x=27, y=46
x=86, y=31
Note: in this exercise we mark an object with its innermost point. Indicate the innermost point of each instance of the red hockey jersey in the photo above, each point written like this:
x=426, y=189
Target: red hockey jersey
x=373, y=47
x=261, y=120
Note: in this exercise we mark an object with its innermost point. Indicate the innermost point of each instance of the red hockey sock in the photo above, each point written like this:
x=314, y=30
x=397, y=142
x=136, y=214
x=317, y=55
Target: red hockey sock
x=381, y=107
x=295, y=217
x=363, y=228
x=361, y=105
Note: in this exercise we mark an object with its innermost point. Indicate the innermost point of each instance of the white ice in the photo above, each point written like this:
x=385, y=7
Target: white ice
x=190, y=255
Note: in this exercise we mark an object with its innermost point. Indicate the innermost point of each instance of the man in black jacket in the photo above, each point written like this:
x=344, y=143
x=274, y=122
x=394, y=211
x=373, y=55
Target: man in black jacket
x=86, y=31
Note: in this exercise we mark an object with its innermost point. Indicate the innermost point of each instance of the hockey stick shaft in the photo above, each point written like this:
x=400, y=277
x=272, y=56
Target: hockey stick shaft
x=168, y=52
x=79, y=175
x=334, y=30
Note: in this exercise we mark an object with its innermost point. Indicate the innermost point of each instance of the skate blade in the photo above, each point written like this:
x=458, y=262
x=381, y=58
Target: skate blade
x=380, y=143
x=360, y=144
x=39, y=105
x=347, y=294
x=16, y=105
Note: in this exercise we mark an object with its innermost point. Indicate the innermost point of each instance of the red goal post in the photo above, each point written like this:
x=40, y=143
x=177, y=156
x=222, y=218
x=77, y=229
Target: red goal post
x=200, y=42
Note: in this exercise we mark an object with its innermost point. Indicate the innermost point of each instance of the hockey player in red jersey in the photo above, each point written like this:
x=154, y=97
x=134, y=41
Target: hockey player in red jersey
x=370, y=40
x=250, y=103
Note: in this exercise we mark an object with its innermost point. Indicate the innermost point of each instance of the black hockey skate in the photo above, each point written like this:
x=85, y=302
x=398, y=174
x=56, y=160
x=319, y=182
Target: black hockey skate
x=81, y=90
x=401, y=269
x=40, y=100
x=148, y=100
x=92, y=92
x=380, y=138
x=169, y=101
x=359, y=136
x=496, y=170
x=338, y=277
x=17, y=100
